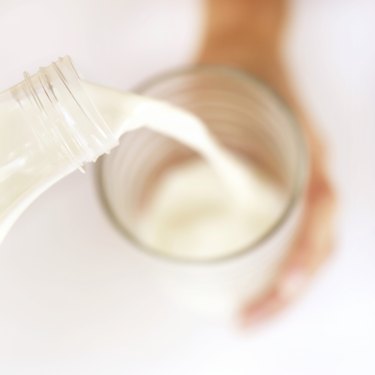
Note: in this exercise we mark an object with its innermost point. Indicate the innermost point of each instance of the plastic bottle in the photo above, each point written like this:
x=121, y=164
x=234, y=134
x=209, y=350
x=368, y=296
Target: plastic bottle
x=48, y=128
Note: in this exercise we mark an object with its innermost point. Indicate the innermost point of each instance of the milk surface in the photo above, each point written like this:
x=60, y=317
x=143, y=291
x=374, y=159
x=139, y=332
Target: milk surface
x=192, y=216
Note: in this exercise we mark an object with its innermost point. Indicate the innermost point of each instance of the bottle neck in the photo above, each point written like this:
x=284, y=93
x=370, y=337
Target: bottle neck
x=62, y=114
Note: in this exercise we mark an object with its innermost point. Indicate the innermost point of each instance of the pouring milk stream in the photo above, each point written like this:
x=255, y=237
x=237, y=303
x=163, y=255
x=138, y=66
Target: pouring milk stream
x=53, y=123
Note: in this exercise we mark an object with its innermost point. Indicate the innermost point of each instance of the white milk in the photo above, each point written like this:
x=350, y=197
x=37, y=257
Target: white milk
x=199, y=210
x=191, y=215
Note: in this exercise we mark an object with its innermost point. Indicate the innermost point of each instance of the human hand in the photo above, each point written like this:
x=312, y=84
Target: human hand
x=248, y=34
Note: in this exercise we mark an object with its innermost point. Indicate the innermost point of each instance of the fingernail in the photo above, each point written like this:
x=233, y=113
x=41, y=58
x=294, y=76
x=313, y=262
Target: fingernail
x=293, y=283
x=256, y=314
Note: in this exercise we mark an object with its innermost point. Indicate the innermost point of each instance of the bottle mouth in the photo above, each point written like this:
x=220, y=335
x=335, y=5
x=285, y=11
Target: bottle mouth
x=68, y=116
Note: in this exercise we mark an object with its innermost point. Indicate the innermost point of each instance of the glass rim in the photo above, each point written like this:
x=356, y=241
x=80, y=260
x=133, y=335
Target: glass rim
x=299, y=185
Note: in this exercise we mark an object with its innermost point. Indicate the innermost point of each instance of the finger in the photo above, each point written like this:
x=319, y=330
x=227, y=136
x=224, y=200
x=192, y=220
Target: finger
x=275, y=300
x=310, y=249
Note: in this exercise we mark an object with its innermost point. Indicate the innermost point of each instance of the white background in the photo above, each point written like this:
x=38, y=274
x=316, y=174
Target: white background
x=75, y=300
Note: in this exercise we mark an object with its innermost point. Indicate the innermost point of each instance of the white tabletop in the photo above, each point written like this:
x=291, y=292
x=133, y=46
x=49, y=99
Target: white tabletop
x=75, y=300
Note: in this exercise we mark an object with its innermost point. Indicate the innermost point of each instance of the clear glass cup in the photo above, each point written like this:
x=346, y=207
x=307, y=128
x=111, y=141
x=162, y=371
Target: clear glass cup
x=250, y=120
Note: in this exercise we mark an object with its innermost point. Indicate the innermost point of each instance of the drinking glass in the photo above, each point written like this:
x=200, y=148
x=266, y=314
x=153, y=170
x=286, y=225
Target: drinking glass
x=251, y=121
